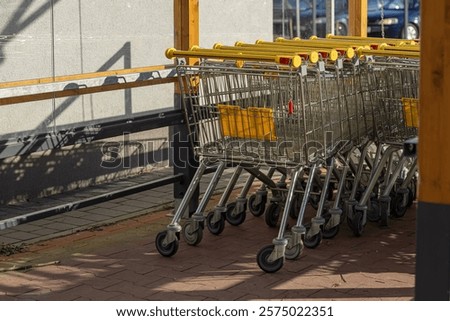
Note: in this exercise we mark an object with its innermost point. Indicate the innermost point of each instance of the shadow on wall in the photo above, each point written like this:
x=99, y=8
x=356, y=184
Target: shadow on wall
x=45, y=166
x=16, y=24
x=36, y=174
x=60, y=170
x=23, y=18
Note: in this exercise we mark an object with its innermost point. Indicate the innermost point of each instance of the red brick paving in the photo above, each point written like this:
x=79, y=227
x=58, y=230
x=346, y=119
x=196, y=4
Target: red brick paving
x=120, y=262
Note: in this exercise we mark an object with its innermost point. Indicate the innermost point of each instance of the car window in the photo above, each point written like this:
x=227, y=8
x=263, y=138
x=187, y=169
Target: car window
x=373, y=5
x=394, y=4
x=292, y=4
x=391, y=4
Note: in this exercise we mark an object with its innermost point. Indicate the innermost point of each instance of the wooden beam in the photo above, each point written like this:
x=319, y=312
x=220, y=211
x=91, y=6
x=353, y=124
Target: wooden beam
x=80, y=90
x=357, y=18
x=186, y=25
x=81, y=84
x=434, y=143
x=90, y=75
x=433, y=212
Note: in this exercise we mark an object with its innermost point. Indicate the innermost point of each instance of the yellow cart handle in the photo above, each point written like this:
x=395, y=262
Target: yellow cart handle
x=388, y=53
x=306, y=53
x=374, y=39
x=291, y=60
x=345, y=52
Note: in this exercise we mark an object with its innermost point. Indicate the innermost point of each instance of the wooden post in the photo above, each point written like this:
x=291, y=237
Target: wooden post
x=433, y=216
x=186, y=34
x=186, y=25
x=357, y=18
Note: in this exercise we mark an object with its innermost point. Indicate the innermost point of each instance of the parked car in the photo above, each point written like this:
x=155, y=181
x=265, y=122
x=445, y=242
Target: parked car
x=340, y=18
x=284, y=23
x=389, y=16
x=306, y=18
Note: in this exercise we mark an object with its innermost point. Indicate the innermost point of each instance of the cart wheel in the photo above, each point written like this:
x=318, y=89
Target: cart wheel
x=373, y=212
x=331, y=232
x=262, y=259
x=411, y=196
x=314, y=201
x=295, y=207
x=257, y=209
x=191, y=236
x=348, y=185
x=359, y=194
x=215, y=228
x=342, y=206
x=168, y=249
x=330, y=191
x=236, y=218
x=272, y=214
x=356, y=224
x=397, y=208
x=292, y=252
x=313, y=241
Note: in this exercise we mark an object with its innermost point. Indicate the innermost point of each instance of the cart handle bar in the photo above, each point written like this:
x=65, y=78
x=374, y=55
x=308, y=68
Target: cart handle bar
x=327, y=51
x=329, y=54
x=292, y=60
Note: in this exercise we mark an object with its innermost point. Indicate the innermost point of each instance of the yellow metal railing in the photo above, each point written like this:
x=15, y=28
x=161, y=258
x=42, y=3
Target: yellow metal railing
x=293, y=52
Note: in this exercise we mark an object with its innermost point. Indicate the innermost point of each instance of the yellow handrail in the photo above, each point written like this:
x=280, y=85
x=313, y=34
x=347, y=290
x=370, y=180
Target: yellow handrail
x=373, y=39
x=364, y=46
x=306, y=53
x=387, y=53
x=345, y=52
x=196, y=52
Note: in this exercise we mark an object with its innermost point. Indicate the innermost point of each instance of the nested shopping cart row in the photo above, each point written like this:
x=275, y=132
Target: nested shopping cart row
x=330, y=123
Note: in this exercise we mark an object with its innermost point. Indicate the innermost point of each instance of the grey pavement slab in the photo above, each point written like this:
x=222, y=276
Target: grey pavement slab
x=101, y=213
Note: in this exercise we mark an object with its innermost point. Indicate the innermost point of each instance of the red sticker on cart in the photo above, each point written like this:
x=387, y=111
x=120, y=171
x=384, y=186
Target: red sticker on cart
x=290, y=107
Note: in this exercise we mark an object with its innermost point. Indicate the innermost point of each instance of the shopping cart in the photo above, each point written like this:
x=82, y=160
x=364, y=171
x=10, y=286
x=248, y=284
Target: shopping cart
x=392, y=174
x=263, y=114
x=203, y=122
x=330, y=124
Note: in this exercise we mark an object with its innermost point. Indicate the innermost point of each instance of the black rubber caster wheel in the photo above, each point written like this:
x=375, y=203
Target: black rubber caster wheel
x=397, y=209
x=330, y=232
x=330, y=192
x=356, y=224
x=313, y=241
x=262, y=259
x=292, y=251
x=167, y=250
x=234, y=218
x=217, y=227
x=411, y=196
x=295, y=207
x=257, y=209
x=314, y=201
x=191, y=236
x=373, y=212
x=272, y=214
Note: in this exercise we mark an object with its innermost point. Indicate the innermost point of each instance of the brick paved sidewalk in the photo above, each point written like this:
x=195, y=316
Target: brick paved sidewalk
x=107, y=212
x=120, y=262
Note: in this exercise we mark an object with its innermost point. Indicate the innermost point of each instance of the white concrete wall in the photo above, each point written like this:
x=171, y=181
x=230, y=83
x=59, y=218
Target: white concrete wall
x=227, y=21
x=42, y=38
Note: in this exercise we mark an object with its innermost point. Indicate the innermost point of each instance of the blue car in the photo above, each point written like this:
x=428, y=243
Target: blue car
x=284, y=24
x=340, y=18
x=386, y=18
x=287, y=25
